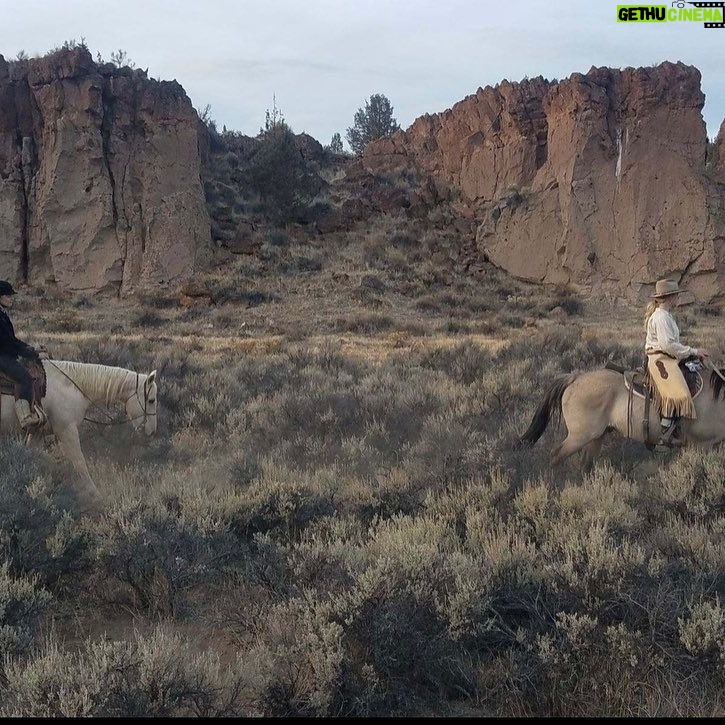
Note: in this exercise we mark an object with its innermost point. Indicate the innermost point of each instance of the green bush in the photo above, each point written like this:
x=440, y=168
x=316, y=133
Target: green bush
x=280, y=175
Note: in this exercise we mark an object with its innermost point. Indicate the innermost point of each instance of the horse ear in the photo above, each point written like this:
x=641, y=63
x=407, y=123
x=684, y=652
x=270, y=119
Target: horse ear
x=151, y=378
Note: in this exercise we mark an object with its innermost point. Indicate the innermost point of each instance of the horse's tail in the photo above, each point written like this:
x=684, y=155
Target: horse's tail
x=550, y=404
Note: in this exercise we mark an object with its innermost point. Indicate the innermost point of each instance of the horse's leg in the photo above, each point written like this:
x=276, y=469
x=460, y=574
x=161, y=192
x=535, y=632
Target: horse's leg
x=88, y=494
x=585, y=408
x=570, y=445
x=590, y=452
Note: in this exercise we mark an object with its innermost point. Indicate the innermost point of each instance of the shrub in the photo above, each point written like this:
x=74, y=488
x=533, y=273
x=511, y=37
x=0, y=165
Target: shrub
x=159, y=553
x=161, y=676
x=38, y=535
x=22, y=603
x=703, y=631
x=280, y=175
x=300, y=660
x=365, y=323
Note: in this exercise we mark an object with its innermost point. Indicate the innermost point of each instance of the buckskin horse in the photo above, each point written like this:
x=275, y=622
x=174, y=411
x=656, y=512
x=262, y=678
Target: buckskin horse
x=595, y=403
x=73, y=388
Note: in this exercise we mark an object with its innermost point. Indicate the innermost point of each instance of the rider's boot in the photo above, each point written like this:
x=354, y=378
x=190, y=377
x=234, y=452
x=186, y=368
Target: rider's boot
x=26, y=417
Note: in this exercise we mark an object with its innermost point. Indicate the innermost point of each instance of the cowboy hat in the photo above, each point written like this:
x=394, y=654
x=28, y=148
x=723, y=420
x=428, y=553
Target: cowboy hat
x=665, y=288
x=6, y=288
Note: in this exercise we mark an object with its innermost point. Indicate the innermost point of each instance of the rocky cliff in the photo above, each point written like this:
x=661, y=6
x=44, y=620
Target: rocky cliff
x=99, y=176
x=601, y=180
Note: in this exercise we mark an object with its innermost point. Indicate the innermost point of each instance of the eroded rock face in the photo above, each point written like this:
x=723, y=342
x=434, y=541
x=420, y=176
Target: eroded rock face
x=598, y=180
x=99, y=176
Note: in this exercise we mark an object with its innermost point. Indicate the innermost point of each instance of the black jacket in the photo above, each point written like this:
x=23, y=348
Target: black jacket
x=9, y=344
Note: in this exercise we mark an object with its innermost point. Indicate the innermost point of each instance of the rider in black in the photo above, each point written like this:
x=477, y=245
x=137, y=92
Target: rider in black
x=11, y=349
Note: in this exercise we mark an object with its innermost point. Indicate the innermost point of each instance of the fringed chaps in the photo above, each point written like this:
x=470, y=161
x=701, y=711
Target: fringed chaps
x=671, y=393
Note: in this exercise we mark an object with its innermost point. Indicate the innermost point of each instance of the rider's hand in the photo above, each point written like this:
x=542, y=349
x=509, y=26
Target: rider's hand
x=702, y=353
x=43, y=355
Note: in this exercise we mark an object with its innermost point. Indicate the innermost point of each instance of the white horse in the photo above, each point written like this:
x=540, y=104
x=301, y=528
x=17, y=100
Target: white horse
x=75, y=387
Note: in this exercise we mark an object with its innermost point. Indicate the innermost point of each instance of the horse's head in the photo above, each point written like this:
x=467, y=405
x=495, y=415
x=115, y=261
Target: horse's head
x=142, y=405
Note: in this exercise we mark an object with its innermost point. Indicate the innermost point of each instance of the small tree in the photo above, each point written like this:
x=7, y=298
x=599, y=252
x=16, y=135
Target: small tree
x=278, y=171
x=336, y=144
x=205, y=117
x=273, y=120
x=120, y=59
x=374, y=121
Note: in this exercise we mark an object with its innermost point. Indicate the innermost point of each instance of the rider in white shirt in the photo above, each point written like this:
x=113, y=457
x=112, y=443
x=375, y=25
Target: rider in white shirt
x=663, y=337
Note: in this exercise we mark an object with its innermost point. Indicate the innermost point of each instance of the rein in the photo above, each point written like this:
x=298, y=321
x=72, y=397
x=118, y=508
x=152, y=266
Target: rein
x=111, y=421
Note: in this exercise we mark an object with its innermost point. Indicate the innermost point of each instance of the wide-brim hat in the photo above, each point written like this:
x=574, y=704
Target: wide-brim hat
x=6, y=288
x=665, y=288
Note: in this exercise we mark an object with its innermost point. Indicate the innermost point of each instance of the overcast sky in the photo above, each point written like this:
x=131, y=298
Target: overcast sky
x=323, y=58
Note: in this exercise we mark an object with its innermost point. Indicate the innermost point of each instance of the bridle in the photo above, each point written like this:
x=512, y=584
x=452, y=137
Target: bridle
x=143, y=405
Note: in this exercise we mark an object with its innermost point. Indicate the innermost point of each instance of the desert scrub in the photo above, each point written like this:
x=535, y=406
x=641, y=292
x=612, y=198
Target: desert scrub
x=38, y=532
x=702, y=631
x=365, y=323
x=162, y=675
x=364, y=534
x=300, y=661
x=283, y=501
x=158, y=552
x=694, y=485
x=22, y=603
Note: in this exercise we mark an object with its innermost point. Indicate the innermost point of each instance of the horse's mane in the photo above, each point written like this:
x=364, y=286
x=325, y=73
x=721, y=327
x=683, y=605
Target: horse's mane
x=97, y=382
x=717, y=383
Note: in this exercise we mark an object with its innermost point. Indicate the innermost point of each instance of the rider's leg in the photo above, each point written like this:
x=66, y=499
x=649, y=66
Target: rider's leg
x=26, y=416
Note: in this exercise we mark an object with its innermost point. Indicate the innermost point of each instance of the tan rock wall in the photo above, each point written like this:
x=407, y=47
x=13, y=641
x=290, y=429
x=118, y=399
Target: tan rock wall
x=100, y=184
x=598, y=180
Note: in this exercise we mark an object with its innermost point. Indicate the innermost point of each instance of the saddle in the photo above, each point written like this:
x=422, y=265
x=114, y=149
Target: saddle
x=637, y=383
x=9, y=386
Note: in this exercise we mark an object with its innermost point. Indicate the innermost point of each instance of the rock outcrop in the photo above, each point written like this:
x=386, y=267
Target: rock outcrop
x=599, y=180
x=100, y=184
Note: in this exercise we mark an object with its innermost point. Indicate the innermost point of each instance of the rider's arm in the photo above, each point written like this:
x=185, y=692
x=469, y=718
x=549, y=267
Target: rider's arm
x=668, y=338
x=25, y=350
x=10, y=345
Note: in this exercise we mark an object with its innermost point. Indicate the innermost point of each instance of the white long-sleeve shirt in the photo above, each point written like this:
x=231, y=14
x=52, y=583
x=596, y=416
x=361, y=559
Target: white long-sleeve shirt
x=663, y=335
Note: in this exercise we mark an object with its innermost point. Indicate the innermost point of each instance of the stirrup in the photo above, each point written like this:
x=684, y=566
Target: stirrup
x=30, y=418
x=42, y=416
x=668, y=438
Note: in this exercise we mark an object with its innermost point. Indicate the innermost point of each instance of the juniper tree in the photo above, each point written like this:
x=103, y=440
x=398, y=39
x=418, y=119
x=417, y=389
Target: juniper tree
x=336, y=144
x=374, y=121
x=278, y=171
